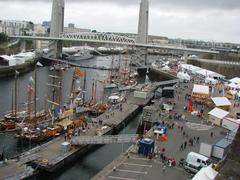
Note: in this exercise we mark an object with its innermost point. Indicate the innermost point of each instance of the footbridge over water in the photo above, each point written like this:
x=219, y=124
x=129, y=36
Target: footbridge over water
x=106, y=139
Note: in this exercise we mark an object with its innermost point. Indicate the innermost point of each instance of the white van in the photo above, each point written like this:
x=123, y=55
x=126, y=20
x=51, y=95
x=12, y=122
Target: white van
x=195, y=162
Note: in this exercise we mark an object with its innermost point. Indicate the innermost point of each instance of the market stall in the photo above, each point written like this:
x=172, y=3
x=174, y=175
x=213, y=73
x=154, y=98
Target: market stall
x=200, y=93
x=222, y=103
x=216, y=116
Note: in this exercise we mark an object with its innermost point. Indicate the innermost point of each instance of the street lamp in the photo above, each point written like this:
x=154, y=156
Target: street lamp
x=123, y=133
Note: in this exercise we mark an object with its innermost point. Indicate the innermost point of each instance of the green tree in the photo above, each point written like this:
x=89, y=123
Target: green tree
x=3, y=37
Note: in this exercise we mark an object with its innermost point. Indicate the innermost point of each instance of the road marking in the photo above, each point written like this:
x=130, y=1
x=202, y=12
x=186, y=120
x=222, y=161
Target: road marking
x=116, y=177
x=133, y=164
x=130, y=171
x=143, y=159
x=175, y=167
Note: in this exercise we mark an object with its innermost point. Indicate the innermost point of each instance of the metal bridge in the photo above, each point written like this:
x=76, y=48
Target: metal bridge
x=102, y=37
x=108, y=38
x=106, y=139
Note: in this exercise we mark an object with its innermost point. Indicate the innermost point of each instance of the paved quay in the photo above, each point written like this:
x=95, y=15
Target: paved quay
x=118, y=114
x=141, y=167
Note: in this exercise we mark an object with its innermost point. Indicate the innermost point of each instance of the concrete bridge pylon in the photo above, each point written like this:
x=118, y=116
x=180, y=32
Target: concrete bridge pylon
x=57, y=25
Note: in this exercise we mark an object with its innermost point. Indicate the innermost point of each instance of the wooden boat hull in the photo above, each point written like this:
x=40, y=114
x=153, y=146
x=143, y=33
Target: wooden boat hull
x=7, y=125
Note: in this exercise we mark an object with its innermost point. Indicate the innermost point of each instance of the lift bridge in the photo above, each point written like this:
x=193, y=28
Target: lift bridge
x=105, y=139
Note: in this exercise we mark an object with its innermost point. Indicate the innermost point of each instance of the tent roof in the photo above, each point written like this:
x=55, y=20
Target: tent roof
x=182, y=75
x=233, y=85
x=219, y=113
x=221, y=101
x=205, y=72
x=190, y=67
x=200, y=89
x=65, y=122
x=235, y=80
x=206, y=173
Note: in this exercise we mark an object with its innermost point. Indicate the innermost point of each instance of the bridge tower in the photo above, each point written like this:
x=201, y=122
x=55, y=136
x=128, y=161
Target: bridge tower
x=142, y=38
x=57, y=25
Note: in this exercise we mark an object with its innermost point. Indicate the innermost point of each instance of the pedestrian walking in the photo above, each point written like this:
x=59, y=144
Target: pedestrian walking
x=185, y=144
x=198, y=139
x=184, y=133
x=181, y=147
x=181, y=128
x=164, y=168
x=211, y=134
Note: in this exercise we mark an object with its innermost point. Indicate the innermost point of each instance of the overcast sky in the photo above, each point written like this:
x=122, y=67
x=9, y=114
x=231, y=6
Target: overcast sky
x=211, y=20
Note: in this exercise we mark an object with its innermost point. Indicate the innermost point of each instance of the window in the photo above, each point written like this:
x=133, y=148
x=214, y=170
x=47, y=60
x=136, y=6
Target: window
x=198, y=160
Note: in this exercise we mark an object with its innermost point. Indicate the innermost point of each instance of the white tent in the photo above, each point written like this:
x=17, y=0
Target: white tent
x=204, y=73
x=233, y=86
x=218, y=113
x=183, y=76
x=208, y=73
x=206, y=173
x=235, y=80
x=190, y=68
x=210, y=80
x=221, y=101
x=201, y=89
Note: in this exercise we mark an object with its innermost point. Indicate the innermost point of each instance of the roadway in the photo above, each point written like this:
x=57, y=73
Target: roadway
x=183, y=49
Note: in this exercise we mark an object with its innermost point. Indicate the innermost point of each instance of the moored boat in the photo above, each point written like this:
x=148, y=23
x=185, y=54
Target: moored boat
x=22, y=63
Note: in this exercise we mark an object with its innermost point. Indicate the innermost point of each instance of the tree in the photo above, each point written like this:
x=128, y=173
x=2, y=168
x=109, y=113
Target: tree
x=3, y=37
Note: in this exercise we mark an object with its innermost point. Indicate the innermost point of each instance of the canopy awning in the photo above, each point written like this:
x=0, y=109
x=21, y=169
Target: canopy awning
x=65, y=123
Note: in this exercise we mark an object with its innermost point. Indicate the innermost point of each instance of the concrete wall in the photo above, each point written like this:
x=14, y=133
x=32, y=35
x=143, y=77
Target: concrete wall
x=230, y=71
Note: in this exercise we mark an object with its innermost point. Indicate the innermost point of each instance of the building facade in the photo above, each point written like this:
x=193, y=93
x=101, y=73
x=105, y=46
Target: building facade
x=12, y=27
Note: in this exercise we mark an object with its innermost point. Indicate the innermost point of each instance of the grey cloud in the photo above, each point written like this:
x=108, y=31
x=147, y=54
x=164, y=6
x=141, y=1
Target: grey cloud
x=171, y=4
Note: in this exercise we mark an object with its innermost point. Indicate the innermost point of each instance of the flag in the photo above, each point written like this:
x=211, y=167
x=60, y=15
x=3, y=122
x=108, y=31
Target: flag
x=77, y=72
x=190, y=105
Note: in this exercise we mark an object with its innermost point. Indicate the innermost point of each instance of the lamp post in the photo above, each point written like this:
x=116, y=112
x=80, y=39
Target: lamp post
x=123, y=133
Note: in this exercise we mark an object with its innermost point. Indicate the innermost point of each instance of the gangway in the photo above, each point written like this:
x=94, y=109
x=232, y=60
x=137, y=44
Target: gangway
x=105, y=139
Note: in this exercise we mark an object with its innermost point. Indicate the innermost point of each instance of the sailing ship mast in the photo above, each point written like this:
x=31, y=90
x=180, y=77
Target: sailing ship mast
x=35, y=93
x=16, y=94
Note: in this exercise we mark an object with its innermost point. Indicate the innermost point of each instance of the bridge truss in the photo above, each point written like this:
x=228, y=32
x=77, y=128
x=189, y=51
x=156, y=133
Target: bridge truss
x=98, y=36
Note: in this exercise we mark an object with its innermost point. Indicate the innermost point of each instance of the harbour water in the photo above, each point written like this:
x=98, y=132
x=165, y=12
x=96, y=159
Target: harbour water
x=86, y=167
